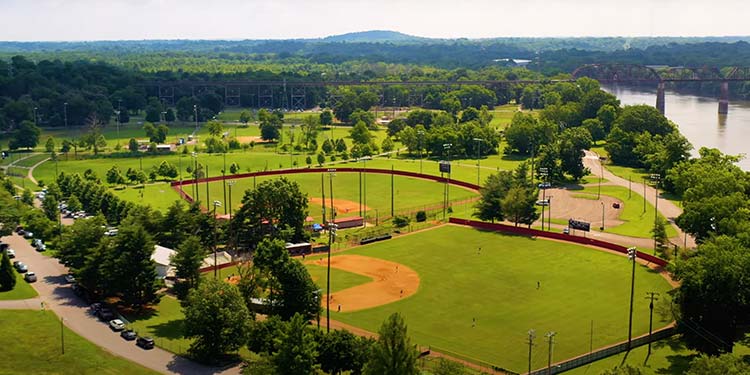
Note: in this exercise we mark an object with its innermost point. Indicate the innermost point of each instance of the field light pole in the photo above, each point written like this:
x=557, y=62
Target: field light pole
x=656, y=178
x=602, y=227
x=195, y=116
x=224, y=180
x=652, y=297
x=216, y=204
x=543, y=172
x=196, y=193
x=479, y=147
x=447, y=195
x=550, y=336
x=632, y=255
x=230, y=184
x=532, y=336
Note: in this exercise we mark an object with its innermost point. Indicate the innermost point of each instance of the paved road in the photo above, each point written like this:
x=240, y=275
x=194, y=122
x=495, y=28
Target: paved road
x=59, y=297
x=666, y=208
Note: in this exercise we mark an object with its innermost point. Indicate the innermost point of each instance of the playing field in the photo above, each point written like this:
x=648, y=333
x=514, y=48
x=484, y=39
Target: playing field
x=408, y=193
x=497, y=287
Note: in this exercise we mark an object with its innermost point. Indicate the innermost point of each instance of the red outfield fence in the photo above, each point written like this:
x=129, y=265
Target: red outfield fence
x=177, y=185
x=556, y=236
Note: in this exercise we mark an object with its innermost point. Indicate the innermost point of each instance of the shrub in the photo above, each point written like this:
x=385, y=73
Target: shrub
x=400, y=221
x=421, y=216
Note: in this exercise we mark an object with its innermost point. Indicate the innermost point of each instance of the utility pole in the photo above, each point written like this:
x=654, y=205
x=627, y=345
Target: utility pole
x=543, y=173
x=479, y=147
x=655, y=177
x=652, y=297
x=216, y=204
x=550, y=336
x=532, y=336
x=224, y=181
x=62, y=336
x=331, y=233
x=632, y=255
x=392, y=211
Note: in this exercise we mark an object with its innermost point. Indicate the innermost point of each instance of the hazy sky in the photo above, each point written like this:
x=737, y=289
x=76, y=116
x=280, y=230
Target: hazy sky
x=25, y=20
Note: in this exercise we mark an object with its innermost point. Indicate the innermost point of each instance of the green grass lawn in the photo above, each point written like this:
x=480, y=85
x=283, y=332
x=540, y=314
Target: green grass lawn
x=159, y=196
x=638, y=222
x=31, y=344
x=344, y=279
x=499, y=288
x=408, y=192
x=22, y=290
x=164, y=324
x=668, y=356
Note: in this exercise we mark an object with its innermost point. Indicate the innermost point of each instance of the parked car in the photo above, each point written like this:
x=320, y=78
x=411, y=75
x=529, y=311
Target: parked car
x=19, y=230
x=116, y=325
x=105, y=314
x=21, y=267
x=145, y=342
x=566, y=230
x=28, y=234
x=95, y=307
x=3, y=246
x=30, y=277
x=11, y=253
x=128, y=334
x=545, y=185
x=70, y=279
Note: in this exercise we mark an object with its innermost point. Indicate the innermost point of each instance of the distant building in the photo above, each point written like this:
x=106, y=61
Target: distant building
x=162, y=256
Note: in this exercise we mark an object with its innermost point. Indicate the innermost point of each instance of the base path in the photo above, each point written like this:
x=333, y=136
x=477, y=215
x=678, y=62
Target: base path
x=59, y=297
x=391, y=282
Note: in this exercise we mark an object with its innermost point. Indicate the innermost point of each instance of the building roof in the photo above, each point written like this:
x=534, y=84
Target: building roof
x=162, y=255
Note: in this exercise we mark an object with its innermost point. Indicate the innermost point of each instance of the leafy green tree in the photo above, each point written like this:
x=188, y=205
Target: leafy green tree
x=365, y=116
x=50, y=207
x=518, y=205
x=340, y=145
x=310, y=128
x=297, y=349
x=245, y=117
x=327, y=146
x=419, y=117
x=340, y=351
x=469, y=114
x=167, y=169
x=135, y=272
x=451, y=105
x=326, y=117
x=79, y=240
x=659, y=233
x=170, y=115
x=26, y=135
x=50, y=145
x=153, y=110
x=234, y=168
x=396, y=126
x=27, y=197
x=448, y=367
x=595, y=128
x=7, y=273
x=133, y=145
x=74, y=204
x=713, y=296
x=393, y=352
x=387, y=145
x=606, y=115
x=276, y=208
x=308, y=160
x=161, y=133
x=623, y=370
x=217, y=318
x=215, y=128
x=187, y=262
x=185, y=109
x=114, y=176
x=269, y=132
x=571, y=144
x=490, y=205
x=321, y=158
x=360, y=134
x=725, y=364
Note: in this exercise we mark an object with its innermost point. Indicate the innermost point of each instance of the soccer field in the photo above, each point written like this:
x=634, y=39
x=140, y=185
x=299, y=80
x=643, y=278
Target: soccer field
x=497, y=287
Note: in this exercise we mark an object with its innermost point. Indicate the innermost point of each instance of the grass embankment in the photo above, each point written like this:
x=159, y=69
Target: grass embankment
x=22, y=290
x=31, y=344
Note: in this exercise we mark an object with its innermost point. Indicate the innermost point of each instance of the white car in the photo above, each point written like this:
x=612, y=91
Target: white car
x=116, y=325
x=70, y=279
x=11, y=253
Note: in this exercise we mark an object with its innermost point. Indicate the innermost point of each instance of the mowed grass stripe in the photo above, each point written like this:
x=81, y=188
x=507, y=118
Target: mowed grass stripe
x=498, y=287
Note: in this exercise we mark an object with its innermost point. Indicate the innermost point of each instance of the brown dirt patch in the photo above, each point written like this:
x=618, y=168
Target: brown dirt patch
x=391, y=282
x=342, y=206
x=567, y=204
x=251, y=138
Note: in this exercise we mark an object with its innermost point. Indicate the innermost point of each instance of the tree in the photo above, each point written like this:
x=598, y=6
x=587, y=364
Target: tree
x=133, y=145
x=326, y=117
x=187, y=262
x=167, y=169
x=245, y=117
x=216, y=316
x=297, y=349
x=340, y=351
x=7, y=273
x=50, y=145
x=26, y=135
x=418, y=117
x=269, y=132
x=659, y=233
x=327, y=146
x=395, y=126
x=74, y=204
x=321, y=158
x=725, y=364
x=169, y=116
x=114, y=176
x=161, y=133
x=185, y=109
x=518, y=205
x=276, y=208
x=392, y=353
x=153, y=110
x=623, y=370
x=489, y=206
x=387, y=145
x=713, y=296
x=360, y=134
x=234, y=168
x=308, y=160
x=134, y=271
x=79, y=240
x=310, y=129
x=365, y=116
x=50, y=206
x=215, y=128
x=448, y=367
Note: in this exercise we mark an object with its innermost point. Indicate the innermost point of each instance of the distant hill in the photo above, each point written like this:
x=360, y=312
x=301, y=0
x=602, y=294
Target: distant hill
x=373, y=36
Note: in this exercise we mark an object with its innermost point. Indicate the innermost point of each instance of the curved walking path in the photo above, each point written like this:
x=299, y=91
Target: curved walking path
x=666, y=207
x=59, y=297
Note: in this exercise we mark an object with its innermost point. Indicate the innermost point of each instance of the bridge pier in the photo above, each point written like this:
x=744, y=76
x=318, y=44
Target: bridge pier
x=660, y=97
x=724, y=98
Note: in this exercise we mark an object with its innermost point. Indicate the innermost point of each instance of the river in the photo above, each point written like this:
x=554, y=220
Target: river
x=698, y=119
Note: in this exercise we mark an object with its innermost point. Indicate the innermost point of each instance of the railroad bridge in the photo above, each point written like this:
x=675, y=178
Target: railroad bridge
x=296, y=94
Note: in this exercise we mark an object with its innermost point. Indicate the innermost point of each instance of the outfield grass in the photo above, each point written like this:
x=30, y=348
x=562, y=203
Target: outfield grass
x=159, y=195
x=344, y=279
x=408, y=192
x=31, y=344
x=499, y=288
x=637, y=221
x=22, y=290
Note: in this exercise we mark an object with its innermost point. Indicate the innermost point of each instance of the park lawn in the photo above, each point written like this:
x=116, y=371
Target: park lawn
x=668, y=356
x=628, y=173
x=499, y=289
x=159, y=195
x=409, y=193
x=22, y=290
x=164, y=324
x=638, y=220
x=31, y=344
x=29, y=161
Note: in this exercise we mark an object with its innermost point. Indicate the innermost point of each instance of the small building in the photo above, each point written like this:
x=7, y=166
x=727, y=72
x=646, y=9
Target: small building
x=162, y=256
x=349, y=222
